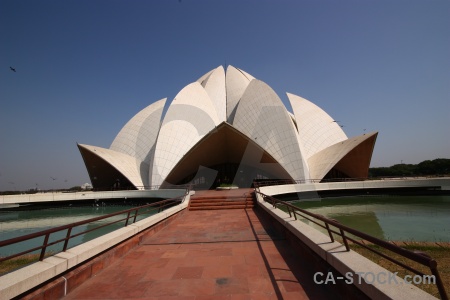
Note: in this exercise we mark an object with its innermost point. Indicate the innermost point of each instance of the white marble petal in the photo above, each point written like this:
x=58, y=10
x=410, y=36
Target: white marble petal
x=204, y=79
x=316, y=129
x=262, y=117
x=323, y=161
x=138, y=136
x=190, y=116
x=215, y=87
x=125, y=164
x=236, y=83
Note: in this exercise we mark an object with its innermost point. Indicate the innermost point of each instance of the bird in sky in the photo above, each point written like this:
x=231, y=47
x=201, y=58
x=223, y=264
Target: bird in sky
x=12, y=69
x=52, y=178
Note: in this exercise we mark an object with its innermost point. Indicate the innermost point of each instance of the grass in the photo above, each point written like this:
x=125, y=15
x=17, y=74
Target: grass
x=439, y=252
x=13, y=264
x=17, y=263
x=227, y=185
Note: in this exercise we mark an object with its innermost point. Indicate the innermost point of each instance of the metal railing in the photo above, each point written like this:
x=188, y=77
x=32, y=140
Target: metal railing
x=344, y=231
x=131, y=216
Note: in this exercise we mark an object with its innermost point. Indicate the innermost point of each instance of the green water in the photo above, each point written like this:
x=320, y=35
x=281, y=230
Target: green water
x=394, y=218
x=19, y=223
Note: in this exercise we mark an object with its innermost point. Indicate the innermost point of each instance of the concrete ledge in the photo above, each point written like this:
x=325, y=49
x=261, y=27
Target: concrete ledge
x=27, y=278
x=224, y=188
x=89, y=195
x=344, y=261
x=443, y=183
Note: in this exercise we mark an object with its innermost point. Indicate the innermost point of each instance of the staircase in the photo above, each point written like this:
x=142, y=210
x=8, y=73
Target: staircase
x=222, y=200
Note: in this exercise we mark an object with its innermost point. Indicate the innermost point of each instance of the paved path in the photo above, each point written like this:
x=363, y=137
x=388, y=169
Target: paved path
x=225, y=254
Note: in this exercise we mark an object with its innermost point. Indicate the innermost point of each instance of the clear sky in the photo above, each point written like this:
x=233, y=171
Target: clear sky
x=84, y=68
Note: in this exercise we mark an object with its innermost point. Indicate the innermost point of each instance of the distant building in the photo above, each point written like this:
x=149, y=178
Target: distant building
x=228, y=127
x=86, y=186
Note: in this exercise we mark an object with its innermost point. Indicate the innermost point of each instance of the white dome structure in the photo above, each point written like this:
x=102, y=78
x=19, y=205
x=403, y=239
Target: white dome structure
x=228, y=127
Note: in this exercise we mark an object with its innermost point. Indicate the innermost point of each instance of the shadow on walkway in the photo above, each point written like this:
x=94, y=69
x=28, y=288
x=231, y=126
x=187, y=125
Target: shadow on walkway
x=222, y=254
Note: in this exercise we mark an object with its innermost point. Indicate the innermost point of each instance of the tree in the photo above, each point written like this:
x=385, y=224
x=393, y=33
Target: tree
x=439, y=166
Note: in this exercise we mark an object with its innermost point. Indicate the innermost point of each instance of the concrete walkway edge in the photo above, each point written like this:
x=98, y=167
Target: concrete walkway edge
x=336, y=256
x=24, y=279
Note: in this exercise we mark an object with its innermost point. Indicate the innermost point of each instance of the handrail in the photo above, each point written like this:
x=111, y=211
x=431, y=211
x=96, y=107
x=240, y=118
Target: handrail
x=132, y=214
x=420, y=258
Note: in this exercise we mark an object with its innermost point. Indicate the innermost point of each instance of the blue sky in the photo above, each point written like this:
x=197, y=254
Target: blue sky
x=84, y=68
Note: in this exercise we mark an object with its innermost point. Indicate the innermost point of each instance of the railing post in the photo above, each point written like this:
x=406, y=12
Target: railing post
x=44, y=247
x=128, y=217
x=344, y=239
x=329, y=232
x=439, y=283
x=66, y=242
x=273, y=202
x=135, y=215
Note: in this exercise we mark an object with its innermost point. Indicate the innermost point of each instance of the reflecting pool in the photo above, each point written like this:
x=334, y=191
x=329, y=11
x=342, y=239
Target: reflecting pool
x=393, y=218
x=19, y=223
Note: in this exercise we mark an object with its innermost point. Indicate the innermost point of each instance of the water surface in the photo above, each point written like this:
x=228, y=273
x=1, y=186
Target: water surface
x=19, y=223
x=395, y=218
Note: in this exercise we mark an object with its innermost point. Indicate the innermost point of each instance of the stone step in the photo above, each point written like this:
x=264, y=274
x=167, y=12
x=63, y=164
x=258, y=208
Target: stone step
x=220, y=197
x=221, y=202
x=221, y=207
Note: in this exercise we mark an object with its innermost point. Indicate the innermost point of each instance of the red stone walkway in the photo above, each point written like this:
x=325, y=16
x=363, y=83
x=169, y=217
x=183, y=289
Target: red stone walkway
x=225, y=254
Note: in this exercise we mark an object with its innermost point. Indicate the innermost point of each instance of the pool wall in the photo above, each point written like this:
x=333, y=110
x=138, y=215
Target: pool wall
x=355, y=187
x=23, y=280
x=334, y=254
x=89, y=195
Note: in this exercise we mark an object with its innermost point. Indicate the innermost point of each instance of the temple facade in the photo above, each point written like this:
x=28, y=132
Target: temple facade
x=228, y=128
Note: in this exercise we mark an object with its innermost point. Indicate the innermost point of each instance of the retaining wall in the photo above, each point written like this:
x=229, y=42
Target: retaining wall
x=340, y=260
x=59, y=273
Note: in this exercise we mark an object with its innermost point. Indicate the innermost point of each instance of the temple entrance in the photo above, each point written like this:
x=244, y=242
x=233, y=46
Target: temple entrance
x=228, y=174
x=225, y=157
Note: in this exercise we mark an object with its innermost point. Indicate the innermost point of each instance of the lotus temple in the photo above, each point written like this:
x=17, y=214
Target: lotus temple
x=228, y=128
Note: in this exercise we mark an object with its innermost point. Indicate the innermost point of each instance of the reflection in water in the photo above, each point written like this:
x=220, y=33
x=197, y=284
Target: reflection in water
x=19, y=223
x=396, y=218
